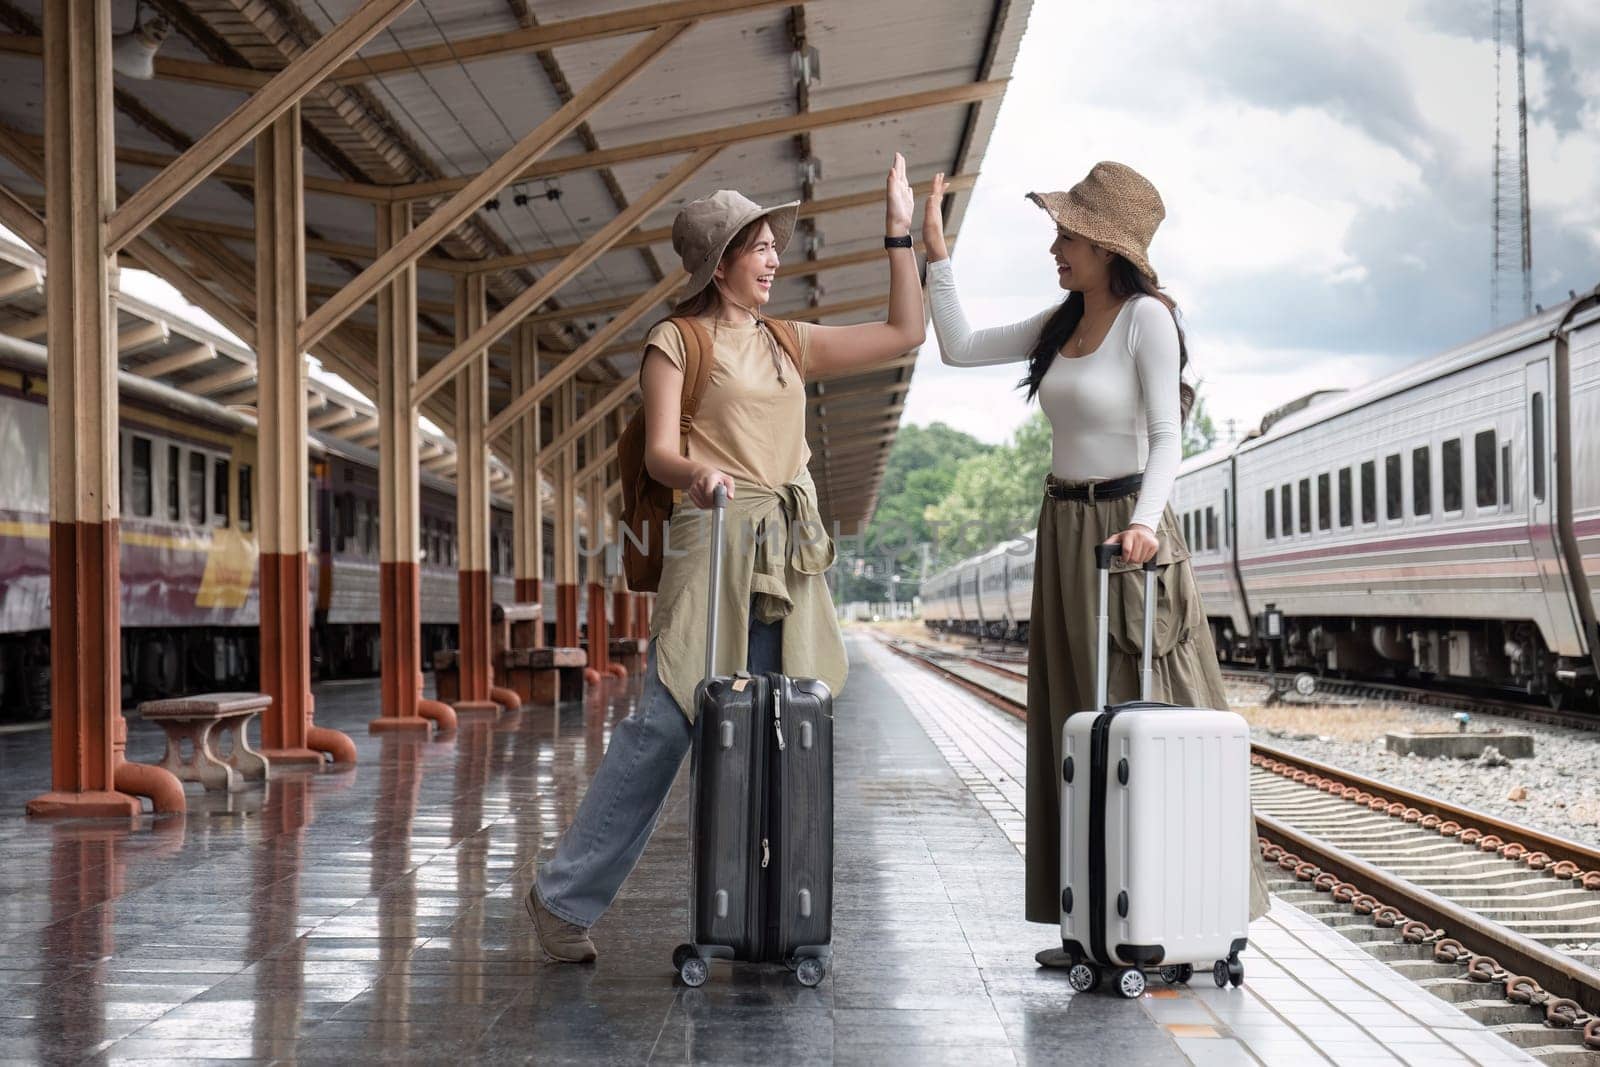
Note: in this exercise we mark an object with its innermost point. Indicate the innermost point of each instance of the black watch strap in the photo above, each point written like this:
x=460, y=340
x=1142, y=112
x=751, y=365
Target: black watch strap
x=903, y=241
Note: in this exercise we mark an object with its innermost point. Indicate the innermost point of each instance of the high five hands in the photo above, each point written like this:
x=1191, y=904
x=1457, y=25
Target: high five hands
x=899, y=202
x=933, y=222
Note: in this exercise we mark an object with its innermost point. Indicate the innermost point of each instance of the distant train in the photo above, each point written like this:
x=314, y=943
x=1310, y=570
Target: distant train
x=188, y=556
x=1441, y=522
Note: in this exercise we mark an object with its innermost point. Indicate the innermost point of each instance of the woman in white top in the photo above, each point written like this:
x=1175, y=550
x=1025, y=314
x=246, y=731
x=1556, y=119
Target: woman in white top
x=1106, y=366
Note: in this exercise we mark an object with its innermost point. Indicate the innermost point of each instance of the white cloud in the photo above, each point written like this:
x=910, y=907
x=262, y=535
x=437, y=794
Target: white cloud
x=1326, y=172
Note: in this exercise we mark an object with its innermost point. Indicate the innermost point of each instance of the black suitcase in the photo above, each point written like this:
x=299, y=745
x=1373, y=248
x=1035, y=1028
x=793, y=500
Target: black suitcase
x=761, y=852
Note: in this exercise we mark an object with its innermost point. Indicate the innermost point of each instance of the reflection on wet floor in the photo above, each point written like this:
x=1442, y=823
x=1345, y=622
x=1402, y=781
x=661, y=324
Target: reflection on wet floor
x=376, y=914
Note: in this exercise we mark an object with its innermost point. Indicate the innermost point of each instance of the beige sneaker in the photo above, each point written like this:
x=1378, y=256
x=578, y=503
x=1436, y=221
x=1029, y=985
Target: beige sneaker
x=562, y=941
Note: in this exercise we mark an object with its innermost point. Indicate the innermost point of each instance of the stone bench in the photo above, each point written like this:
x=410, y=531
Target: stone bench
x=545, y=675
x=517, y=626
x=630, y=652
x=202, y=720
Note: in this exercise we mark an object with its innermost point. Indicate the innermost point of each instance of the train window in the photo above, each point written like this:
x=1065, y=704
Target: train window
x=1450, y=474
x=1272, y=515
x=494, y=555
x=1188, y=529
x=197, y=489
x=1211, y=528
x=141, y=495
x=1393, y=490
x=219, y=492
x=1421, y=482
x=369, y=515
x=1484, y=468
x=1324, y=507
x=1305, y=505
x=344, y=520
x=174, y=483
x=247, y=502
x=1347, y=501
x=1505, y=475
x=1536, y=432
x=1369, y=492
x=1287, y=525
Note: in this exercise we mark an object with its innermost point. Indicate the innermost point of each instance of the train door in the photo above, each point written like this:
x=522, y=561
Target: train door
x=1562, y=631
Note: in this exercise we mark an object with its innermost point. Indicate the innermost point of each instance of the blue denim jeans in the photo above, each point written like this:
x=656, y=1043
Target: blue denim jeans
x=599, y=850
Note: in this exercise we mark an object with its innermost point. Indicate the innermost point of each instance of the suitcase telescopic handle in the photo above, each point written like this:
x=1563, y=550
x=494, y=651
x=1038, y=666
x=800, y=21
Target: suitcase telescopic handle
x=719, y=505
x=1103, y=555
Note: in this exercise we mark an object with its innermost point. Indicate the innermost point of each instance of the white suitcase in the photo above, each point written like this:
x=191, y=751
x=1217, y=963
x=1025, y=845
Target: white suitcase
x=1154, y=852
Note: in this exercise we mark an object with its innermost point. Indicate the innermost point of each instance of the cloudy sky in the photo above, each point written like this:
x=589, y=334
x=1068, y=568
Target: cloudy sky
x=1327, y=175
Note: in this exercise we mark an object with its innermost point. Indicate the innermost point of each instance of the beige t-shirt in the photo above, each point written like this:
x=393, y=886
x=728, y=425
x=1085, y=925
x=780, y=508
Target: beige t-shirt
x=748, y=425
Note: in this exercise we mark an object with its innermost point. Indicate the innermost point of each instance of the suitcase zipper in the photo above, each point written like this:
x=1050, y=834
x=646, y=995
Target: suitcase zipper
x=1099, y=746
x=777, y=715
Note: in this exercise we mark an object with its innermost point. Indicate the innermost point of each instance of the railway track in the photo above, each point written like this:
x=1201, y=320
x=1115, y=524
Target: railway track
x=1502, y=920
x=1452, y=699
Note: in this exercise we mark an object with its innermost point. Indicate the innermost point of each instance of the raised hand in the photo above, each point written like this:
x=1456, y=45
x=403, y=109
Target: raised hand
x=899, y=203
x=933, y=222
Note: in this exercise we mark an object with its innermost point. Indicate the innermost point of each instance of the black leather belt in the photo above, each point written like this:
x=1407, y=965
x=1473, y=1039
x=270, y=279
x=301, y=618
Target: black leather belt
x=1111, y=489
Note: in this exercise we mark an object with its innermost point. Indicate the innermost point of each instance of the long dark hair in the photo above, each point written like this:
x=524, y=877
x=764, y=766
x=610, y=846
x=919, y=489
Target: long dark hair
x=1126, y=281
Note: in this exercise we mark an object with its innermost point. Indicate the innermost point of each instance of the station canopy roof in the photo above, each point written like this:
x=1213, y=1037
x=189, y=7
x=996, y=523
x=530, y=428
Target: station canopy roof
x=780, y=101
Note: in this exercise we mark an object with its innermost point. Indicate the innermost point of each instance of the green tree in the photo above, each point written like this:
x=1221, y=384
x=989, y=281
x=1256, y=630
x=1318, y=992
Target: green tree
x=1199, y=435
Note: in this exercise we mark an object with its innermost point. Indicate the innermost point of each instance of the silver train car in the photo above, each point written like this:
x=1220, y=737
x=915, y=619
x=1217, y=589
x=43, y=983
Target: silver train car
x=1440, y=522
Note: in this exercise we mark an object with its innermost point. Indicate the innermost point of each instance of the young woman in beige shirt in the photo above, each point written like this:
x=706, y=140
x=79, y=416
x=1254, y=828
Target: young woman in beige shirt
x=748, y=437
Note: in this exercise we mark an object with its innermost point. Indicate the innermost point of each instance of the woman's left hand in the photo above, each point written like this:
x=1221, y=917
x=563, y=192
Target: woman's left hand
x=1138, y=542
x=899, y=204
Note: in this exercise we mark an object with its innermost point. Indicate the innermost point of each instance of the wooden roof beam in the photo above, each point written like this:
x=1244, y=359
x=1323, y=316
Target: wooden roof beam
x=190, y=356
x=662, y=234
x=783, y=126
x=586, y=353
x=531, y=39
x=470, y=194
x=233, y=133
x=552, y=280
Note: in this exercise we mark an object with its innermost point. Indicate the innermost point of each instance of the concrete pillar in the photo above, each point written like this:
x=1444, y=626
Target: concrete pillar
x=287, y=733
x=566, y=531
x=527, y=506
x=403, y=709
x=88, y=774
x=473, y=585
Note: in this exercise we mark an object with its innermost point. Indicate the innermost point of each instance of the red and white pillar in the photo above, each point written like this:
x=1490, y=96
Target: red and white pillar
x=527, y=504
x=88, y=774
x=475, y=661
x=566, y=532
x=287, y=733
x=403, y=708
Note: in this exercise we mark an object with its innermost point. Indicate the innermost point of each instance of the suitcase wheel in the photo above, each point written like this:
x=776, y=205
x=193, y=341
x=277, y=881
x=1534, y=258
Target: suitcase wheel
x=1219, y=973
x=1235, y=971
x=681, y=953
x=693, y=972
x=1130, y=982
x=1178, y=975
x=809, y=971
x=1083, y=977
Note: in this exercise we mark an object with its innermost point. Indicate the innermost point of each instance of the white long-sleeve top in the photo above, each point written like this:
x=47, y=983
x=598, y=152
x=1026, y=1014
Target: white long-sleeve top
x=1113, y=411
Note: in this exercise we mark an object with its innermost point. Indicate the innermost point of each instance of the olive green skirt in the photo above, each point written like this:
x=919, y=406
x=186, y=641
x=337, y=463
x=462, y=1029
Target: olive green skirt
x=1061, y=661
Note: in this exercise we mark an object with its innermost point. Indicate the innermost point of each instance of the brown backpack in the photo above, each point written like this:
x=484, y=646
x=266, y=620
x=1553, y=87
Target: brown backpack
x=646, y=503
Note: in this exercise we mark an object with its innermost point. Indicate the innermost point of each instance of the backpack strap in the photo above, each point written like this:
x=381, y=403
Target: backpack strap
x=698, y=361
x=788, y=338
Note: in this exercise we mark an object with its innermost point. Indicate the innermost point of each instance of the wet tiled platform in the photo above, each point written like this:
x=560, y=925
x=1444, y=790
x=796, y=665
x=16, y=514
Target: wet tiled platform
x=375, y=915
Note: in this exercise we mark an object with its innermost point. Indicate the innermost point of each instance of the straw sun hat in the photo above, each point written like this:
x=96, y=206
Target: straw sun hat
x=703, y=229
x=1115, y=207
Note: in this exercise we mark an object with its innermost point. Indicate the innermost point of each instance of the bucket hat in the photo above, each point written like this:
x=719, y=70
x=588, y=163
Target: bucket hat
x=703, y=229
x=1115, y=207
